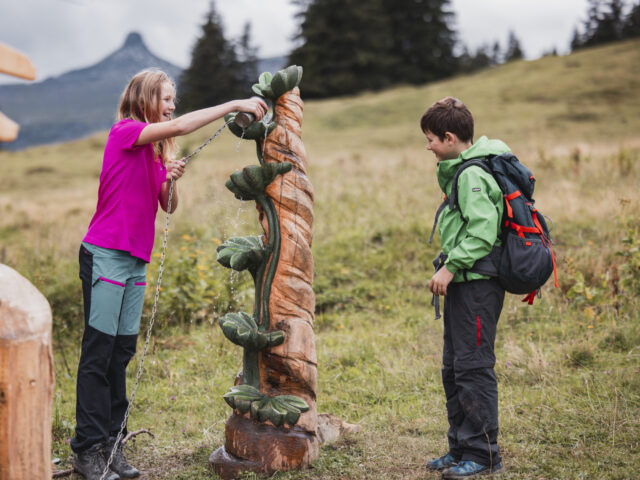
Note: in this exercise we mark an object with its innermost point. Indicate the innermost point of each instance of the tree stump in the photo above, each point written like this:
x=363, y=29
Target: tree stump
x=26, y=379
x=289, y=368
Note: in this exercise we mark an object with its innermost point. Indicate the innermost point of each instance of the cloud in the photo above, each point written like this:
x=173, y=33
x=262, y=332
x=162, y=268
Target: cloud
x=61, y=35
x=539, y=24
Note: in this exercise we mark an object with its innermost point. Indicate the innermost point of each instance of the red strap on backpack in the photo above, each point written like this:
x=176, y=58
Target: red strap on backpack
x=530, y=297
x=508, y=198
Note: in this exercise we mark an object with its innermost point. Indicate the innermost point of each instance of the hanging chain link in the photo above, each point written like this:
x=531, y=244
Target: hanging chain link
x=154, y=310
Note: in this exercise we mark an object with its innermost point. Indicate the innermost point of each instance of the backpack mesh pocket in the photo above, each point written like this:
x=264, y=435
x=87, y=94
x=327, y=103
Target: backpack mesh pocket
x=526, y=264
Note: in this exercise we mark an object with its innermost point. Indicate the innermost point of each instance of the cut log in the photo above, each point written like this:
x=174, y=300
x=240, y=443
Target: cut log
x=26, y=379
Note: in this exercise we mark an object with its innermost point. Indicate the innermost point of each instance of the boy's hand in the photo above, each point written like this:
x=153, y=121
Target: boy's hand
x=440, y=281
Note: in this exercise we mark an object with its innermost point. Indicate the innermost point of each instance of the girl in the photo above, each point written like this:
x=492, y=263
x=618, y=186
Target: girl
x=137, y=168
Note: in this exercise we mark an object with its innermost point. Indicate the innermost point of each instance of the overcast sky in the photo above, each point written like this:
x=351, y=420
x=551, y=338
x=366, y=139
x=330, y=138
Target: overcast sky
x=61, y=35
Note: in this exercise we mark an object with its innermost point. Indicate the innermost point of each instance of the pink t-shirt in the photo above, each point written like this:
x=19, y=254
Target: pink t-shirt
x=130, y=184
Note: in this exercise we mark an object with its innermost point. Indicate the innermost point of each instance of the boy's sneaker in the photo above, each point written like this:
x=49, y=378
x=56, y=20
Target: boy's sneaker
x=119, y=464
x=467, y=468
x=442, y=462
x=91, y=464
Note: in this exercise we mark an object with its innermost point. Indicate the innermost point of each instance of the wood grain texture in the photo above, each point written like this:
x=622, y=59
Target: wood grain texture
x=274, y=448
x=26, y=379
x=291, y=368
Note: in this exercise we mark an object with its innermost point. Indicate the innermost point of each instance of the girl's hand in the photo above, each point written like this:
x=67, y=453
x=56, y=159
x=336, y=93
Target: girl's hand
x=254, y=105
x=175, y=169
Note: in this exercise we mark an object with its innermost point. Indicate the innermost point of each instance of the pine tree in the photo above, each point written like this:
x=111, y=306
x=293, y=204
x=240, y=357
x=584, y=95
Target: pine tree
x=576, y=41
x=513, y=52
x=422, y=40
x=609, y=24
x=214, y=73
x=605, y=23
x=248, y=59
x=631, y=28
x=496, y=53
x=345, y=47
x=482, y=59
x=591, y=23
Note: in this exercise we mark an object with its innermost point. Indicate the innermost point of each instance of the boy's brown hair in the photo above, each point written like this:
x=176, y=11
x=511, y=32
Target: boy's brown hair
x=448, y=115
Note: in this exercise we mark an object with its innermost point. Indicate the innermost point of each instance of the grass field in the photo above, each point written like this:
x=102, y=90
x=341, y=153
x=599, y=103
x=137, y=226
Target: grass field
x=568, y=367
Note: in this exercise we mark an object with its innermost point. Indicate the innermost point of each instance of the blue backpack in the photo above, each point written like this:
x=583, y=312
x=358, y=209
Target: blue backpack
x=525, y=260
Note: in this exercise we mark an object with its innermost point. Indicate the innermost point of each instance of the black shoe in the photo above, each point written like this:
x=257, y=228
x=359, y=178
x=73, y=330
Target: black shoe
x=119, y=463
x=91, y=464
x=442, y=463
x=467, y=469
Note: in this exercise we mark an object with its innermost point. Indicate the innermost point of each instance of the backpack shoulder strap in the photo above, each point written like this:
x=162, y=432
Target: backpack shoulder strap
x=452, y=201
x=474, y=162
x=435, y=221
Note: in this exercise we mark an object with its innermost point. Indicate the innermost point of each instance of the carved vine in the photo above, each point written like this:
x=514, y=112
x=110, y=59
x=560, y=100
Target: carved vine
x=253, y=332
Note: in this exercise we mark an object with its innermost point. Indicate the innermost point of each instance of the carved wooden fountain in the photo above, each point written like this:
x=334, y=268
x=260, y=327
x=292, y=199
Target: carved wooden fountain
x=274, y=420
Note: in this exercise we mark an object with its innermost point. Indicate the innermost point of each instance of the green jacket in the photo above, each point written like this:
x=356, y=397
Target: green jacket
x=470, y=232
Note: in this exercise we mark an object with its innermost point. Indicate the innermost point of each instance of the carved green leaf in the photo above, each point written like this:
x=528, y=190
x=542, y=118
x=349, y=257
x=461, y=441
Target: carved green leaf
x=265, y=79
x=242, y=330
x=285, y=80
x=241, y=397
x=273, y=87
x=256, y=89
x=278, y=410
x=250, y=182
x=240, y=253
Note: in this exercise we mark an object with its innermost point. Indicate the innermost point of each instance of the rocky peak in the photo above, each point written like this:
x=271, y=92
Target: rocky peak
x=134, y=39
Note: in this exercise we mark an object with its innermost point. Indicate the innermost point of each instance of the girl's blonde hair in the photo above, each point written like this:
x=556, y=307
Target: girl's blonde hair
x=140, y=101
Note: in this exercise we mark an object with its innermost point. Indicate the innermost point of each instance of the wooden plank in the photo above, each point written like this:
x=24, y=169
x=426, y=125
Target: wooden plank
x=8, y=129
x=15, y=63
x=26, y=379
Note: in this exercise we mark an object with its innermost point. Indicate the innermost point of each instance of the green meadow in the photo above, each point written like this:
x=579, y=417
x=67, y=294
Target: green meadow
x=568, y=366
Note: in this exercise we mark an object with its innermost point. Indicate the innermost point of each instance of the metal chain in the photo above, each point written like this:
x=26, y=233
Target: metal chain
x=154, y=310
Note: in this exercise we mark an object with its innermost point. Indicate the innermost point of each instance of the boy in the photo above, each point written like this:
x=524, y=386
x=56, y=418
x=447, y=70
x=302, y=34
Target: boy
x=473, y=302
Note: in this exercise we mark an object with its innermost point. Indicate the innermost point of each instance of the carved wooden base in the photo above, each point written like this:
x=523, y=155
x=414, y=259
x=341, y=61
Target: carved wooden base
x=229, y=466
x=259, y=447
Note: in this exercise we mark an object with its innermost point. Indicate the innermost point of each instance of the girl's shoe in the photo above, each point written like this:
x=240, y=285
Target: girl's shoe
x=467, y=469
x=119, y=463
x=91, y=464
x=442, y=462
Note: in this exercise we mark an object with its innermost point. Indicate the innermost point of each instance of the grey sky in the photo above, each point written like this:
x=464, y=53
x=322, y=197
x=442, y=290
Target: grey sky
x=61, y=35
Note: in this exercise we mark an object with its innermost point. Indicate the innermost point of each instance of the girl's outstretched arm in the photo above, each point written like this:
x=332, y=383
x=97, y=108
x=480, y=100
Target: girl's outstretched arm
x=192, y=121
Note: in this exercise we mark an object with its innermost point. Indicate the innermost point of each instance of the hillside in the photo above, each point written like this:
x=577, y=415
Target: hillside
x=568, y=367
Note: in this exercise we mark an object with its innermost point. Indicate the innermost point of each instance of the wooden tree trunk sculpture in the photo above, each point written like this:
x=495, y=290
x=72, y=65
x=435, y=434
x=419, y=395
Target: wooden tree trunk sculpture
x=26, y=379
x=273, y=426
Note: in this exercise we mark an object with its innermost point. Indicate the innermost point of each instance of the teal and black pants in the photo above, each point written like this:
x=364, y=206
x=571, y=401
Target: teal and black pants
x=471, y=313
x=113, y=285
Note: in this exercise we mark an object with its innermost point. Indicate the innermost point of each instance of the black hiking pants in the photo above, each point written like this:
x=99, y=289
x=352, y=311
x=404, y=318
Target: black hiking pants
x=101, y=391
x=471, y=312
